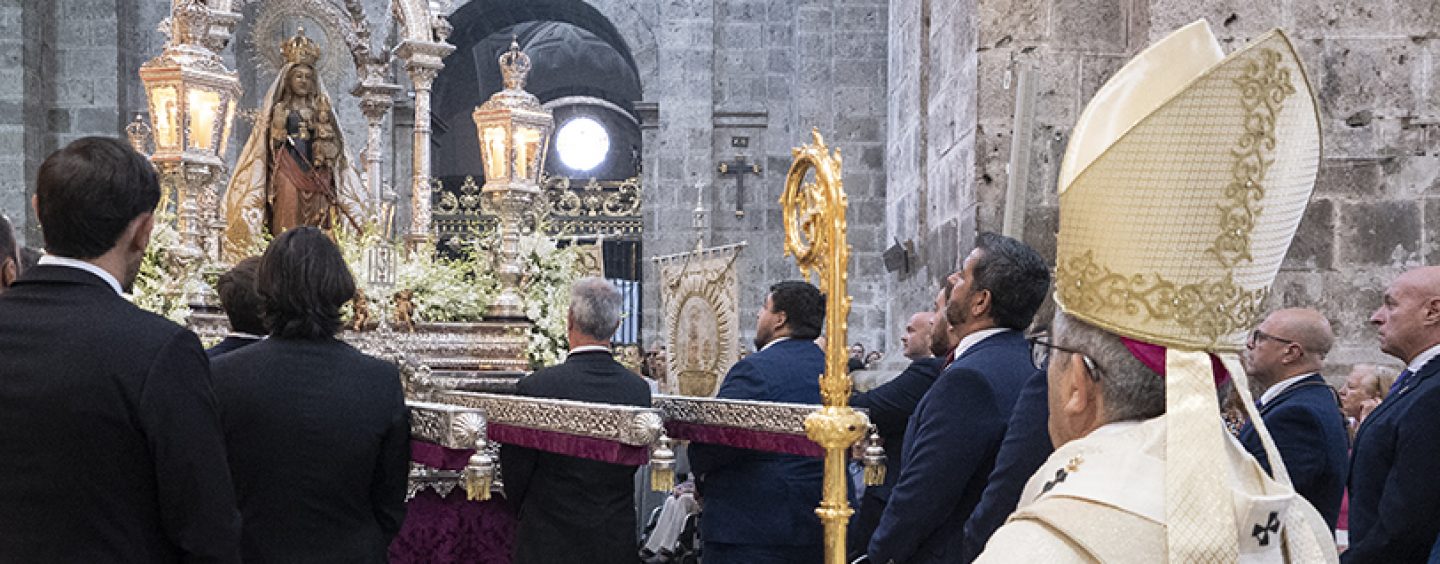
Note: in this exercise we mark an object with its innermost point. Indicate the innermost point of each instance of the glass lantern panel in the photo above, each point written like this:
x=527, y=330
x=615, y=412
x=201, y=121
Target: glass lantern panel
x=165, y=115
x=495, y=150
x=204, y=108
x=228, y=126
x=527, y=148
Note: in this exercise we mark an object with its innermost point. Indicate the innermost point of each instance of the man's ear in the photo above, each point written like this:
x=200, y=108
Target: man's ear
x=980, y=304
x=1077, y=386
x=142, y=226
x=1432, y=311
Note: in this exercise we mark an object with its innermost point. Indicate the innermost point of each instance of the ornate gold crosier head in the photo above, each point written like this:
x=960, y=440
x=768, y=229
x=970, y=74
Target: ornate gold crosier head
x=814, y=214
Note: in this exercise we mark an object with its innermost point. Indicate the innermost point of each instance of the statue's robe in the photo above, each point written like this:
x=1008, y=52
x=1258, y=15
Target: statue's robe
x=325, y=197
x=1101, y=498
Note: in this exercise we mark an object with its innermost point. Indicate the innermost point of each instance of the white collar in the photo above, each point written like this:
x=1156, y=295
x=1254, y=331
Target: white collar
x=242, y=335
x=1422, y=359
x=1114, y=428
x=49, y=259
x=590, y=348
x=1274, y=391
x=972, y=339
x=773, y=341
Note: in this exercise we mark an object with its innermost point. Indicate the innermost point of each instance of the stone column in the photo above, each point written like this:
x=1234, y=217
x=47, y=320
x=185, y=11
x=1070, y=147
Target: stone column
x=376, y=99
x=423, y=62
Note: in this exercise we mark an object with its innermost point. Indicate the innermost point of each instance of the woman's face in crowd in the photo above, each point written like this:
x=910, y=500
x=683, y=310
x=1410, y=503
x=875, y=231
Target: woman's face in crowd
x=1354, y=392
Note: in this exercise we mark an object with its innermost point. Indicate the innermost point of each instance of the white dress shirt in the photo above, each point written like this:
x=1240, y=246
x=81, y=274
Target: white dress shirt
x=1274, y=391
x=972, y=339
x=87, y=267
x=773, y=341
x=1421, y=359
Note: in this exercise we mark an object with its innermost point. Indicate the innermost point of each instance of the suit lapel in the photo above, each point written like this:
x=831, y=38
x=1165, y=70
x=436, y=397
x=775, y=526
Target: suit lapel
x=1414, y=381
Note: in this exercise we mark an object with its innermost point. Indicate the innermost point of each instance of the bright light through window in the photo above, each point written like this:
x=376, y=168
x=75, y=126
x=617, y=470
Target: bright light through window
x=582, y=143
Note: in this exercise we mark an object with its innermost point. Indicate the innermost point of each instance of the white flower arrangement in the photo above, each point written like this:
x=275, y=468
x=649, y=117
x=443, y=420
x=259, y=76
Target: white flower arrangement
x=445, y=289
x=158, y=286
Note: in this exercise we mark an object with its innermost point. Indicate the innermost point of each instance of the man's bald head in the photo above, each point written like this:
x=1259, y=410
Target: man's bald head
x=916, y=340
x=1408, y=318
x=1307, y=327
x=1290, y=342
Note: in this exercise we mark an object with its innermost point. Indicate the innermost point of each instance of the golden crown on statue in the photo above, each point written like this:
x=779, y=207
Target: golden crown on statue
x=300, y=50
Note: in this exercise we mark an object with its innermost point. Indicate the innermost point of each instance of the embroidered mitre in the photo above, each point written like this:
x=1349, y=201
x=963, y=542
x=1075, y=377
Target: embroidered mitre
x=1181, y=189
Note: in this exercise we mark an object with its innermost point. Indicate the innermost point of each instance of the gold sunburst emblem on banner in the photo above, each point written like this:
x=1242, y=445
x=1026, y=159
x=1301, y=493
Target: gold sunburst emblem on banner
x=698, y=295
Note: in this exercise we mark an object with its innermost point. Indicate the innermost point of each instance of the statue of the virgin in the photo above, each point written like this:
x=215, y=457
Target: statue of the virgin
x=293, y=171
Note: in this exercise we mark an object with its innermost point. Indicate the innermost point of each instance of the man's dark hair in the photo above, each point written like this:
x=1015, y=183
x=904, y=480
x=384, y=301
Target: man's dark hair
x=8, y=249
x=89, y=192
x=239, y=299
x=303, y=281
x=804, y=307
x=1016, y=276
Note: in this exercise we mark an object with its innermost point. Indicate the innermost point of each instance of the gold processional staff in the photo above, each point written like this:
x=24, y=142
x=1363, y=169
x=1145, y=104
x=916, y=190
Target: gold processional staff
x=815, y=236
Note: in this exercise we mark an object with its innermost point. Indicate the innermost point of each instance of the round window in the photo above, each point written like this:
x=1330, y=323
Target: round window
x=582, y=143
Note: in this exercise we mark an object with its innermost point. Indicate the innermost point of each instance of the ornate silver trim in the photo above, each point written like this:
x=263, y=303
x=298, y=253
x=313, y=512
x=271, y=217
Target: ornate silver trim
x=422, y=478
x=636, y=426
x=478, y=346
x=770, y=417
x=449, y=426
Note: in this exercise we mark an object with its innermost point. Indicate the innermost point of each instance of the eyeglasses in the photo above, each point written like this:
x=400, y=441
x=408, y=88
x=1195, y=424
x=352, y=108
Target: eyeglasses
x=1040, y=348
x=1257, y=335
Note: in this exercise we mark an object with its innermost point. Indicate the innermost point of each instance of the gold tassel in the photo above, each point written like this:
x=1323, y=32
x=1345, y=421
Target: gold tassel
x=479, y=474
x=874, y=459
x=662, y=466
x=875, y=475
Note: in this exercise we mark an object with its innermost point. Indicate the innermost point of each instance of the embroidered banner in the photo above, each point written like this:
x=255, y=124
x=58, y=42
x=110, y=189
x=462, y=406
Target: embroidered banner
x=698, y=295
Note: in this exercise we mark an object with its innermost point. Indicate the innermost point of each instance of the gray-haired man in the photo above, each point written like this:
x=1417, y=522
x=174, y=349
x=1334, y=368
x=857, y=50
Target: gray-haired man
x=572, y=509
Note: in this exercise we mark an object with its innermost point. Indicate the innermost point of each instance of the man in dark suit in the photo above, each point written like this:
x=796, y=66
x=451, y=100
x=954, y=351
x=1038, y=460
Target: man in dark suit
x=241, y=303
x=1284, y=356
x=112, y=444
x=572, y=509
x=759, y=507
x=1394, y=499
x=890, y=406
x=957, y=429
x=1025, y=448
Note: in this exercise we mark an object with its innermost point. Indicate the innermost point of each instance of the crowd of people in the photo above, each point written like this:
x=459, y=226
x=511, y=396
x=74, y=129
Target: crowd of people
x=1093, y=433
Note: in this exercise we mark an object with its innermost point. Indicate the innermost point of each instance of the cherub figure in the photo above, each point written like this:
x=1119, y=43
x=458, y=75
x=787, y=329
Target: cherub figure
x=405, y=310
x=361, y=306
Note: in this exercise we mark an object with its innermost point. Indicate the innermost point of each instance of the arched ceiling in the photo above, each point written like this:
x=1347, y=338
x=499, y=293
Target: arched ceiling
x=576, y=55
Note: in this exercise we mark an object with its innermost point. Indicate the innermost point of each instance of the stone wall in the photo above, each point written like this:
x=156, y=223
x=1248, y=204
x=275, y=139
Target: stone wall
x=17, y=64
x=1373, y=67
x=765, y=71
x=931, y=141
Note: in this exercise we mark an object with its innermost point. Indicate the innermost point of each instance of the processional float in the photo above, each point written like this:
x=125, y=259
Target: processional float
x=469, y=423
x=452, y=371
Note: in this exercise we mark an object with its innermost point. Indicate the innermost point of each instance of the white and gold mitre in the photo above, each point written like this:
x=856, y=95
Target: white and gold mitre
x=300, y=50
x=1181, y=188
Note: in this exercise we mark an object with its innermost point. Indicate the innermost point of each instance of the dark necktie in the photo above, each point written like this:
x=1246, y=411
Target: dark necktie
x=1398, y=382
